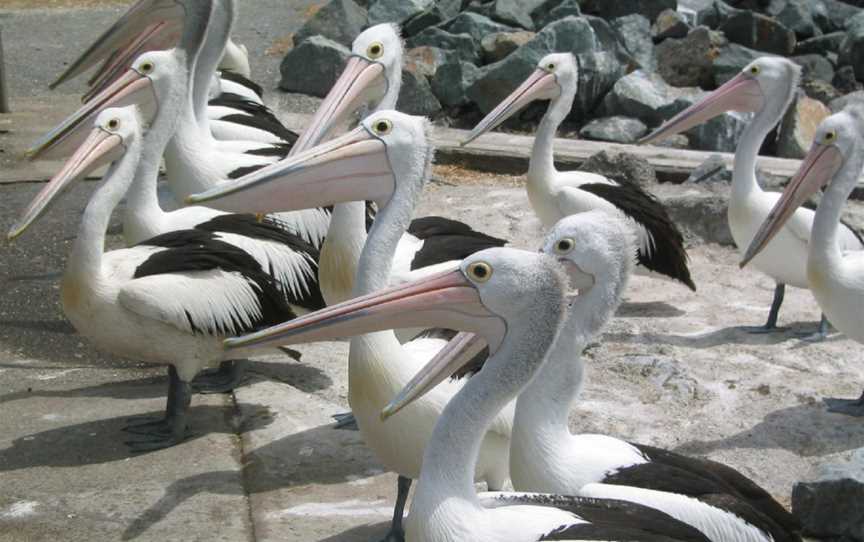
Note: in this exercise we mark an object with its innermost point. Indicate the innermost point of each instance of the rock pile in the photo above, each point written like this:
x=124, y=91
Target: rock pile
x=641, y=61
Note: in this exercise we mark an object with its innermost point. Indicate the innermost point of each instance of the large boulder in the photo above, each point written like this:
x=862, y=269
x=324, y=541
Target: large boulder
x=452, y=81
x=799, y=126
x=838, y=12
x=634, y=31
x=475, y=25
x=609, y=9
x=820, y=45
x=615, y=129
x=462, y=45
x=796, y=15
x=852, y=48
x=621, y=167
x=689, y=62
x=339, y=20
x=508, y=12
x=645, y=96
x=831, y=505
x=669, y=24
x=499, y=45
x=565, y=8
x=731, y=60
x=815, y=67
x=396, y=11
x=758, y=31
x=416, y=96
x=313, y=66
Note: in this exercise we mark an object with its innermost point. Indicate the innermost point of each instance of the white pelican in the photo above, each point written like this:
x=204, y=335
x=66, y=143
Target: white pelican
x=835, y=276
x=554, y=194
x=766, y=87
x=515, y=300
x=387, y=159
x=169, y=300
x=599, y=254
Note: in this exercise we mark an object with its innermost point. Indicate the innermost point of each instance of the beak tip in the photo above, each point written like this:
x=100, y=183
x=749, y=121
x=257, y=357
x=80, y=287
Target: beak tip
x=386, y=412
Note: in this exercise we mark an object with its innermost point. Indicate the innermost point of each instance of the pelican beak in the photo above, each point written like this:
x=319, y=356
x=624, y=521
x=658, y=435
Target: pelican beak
x=100, y=148
x=447, y=300
x=158, y=36
x=348, y=94
x=460, y=350
x=131, y=88
x=137, y=18
x=540, y=85
x=741, y=93
x=818, y=168
x=353, y=167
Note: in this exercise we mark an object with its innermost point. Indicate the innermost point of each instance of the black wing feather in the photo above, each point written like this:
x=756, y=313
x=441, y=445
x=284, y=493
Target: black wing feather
x=256, y=116
x=446, y=240
x=194, y=250
x=669, y=256
x=235, y=77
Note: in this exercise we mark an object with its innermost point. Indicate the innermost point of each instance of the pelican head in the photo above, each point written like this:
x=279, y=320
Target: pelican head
x=149, y=79
x=755, y=90
x=371, y=78
x=386, y=158
x=115, y=130
x=591, y=245
x=556, y=74
x=835, y=157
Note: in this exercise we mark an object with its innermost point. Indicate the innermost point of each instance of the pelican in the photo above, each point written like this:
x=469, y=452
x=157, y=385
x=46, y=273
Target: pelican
x=835, y=276
x=765, y=87
x=554, y=195
x=598, y=250
x=387, y=160
x=170, y=300
x=515, y=300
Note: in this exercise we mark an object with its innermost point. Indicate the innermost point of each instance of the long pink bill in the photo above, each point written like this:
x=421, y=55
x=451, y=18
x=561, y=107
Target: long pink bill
x=137, y=18
x=100, y=148
x=447, y=300
x=540, y=85
x=131, y=88
x=818, y=168
x=346, y=97
x=456, y=354
x=353, y=167
x=741, y=93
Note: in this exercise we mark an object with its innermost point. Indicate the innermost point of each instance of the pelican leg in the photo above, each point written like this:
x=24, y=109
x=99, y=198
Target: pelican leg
x=225, y=379
x=397, y=531
x=771, y=325
x=172, y=429
x=345, y=420
x=850, y=407
x=821, y=332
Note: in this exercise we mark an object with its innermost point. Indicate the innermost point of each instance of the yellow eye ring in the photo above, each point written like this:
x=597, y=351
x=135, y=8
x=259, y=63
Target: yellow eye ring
x=564, y=246
x=480, y=271
x=382, y=127
x=830, y=136
x=754, y=70
x=147, y=67
x=113, y=124
x=375, y=50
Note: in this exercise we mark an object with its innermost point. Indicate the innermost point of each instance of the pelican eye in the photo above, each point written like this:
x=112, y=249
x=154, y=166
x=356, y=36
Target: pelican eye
x=564, y=246
x=113, y=124
x=382, y=127
x=480, y=271
x=830, y=136
x=375, y=50
x=755, y=70
x=551, y=67
x=147, y=67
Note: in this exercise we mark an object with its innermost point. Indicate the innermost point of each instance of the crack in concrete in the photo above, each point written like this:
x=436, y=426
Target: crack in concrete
x=244, y=480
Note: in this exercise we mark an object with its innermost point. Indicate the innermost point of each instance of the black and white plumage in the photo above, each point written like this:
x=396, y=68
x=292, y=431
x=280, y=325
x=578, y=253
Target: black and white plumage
x=554, y=194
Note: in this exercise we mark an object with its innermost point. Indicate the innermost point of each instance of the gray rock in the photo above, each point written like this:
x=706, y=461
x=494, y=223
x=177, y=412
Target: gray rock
x=579, y=35
x=609, y=9
x=416, y=96
x=645, y=96
x=815, y=67
x=474, y=24
x=621, y=167
x=845, y=81
x=500, y=44
x=566, y=8
x=839, y=13
x=426, y=60
x=796, y=15
x=820, y=90
x=702, y=215
x=669, y=24
x=460, y=44
x=832, y=504
x=313, y=66
x=732, y=60
x=715, y=15
x=840, y=104
x=338, y=20
x=820, y=45
x=755, y=30
x=634, y=31
x=615, y=129
x=712, y=170
x=852, y=48
x=720, y=133
x=799, y=126
x=420, y=22
x=509, y=12
x=689, y=62
x=396, y=11
x=451, y=83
